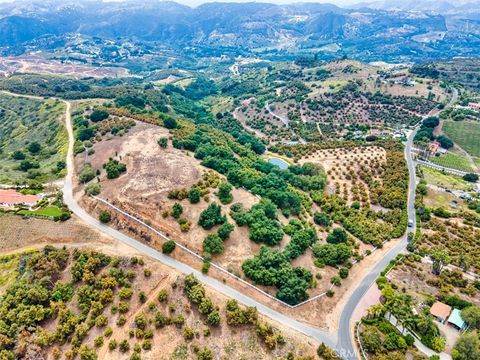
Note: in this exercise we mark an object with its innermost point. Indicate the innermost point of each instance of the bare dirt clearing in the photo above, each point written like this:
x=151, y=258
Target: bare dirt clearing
x=17, y=232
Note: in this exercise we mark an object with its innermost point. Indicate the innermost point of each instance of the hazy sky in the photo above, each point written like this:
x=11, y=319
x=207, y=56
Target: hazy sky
x=197, y=2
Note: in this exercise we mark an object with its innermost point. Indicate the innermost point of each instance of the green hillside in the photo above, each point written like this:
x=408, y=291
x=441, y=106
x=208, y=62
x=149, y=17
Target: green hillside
x=33, y=140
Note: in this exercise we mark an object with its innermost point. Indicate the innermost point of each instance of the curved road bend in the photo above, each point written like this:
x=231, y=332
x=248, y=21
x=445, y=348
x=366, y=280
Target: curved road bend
x=345, y=345
x=317, y=334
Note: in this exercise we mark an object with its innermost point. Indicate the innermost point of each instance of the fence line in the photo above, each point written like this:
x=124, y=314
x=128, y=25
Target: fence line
x=364, y=354
x=225, y=271
x=218, y=267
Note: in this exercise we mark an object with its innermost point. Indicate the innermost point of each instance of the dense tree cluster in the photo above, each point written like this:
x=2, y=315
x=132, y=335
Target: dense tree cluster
x=114, y=168
x=211, y=216
x=262, y=221
x=272, y=268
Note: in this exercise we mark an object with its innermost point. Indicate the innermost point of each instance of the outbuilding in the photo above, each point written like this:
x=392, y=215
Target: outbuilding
x=456, y=320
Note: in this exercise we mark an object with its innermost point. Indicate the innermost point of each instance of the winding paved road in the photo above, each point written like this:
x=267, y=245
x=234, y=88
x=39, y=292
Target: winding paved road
x=345, y=345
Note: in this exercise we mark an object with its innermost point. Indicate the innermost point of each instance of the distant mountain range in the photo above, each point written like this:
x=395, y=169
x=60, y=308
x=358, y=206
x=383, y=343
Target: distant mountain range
x=390, y=30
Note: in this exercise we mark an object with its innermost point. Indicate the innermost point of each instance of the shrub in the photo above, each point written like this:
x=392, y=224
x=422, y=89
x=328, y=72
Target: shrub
x=124, y=346
x=211, y=216
x=163, y=142
x=147, y=344
x=213, y=318
x=177, y=210
x=213, y=244
x=92, y=189
x=121, y=320
x=168, y=247
x=86, y=174
x=141, y=321
x=98, y=341
x=194, y=195
x=188, y=333
x=104, y=217
x=205, y=354
x=112, y=345
x=225, y=230
x=410, y=340
x=162, y=295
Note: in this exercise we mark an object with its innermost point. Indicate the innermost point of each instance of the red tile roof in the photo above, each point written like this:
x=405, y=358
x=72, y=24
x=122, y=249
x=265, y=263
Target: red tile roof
x=440, y=310
x=11, y=197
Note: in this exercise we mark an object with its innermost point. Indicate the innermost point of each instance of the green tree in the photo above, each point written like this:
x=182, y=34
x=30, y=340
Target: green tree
x=467, y=347
x=18, y=155
x=177, y=210
x=211, y=216
x=471, y=315
x=213, y=244
x=224, y=193
x=34, y=147
x=321, y=218
x=225, y=230
x=168, y=247
x=194, y=195
x=170, y=123
x=337, y=236
x=445, y=141
x=440, y=258
x=470, y=177
x=98, y=115
x=104, y=216
x=163, y=142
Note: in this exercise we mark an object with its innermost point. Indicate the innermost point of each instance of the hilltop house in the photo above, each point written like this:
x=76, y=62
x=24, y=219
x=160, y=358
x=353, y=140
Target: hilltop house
x=10, y=198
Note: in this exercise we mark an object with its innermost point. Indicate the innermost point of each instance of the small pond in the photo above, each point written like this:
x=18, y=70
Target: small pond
x=282, y=164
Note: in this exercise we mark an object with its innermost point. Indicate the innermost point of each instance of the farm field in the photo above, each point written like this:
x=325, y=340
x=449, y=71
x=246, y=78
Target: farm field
x=32, y=139
x=465, y=133
x=453, y=161
x=440, y=179
x=343, y=167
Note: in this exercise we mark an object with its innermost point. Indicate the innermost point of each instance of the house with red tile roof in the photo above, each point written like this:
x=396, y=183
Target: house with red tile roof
x=10, y=198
